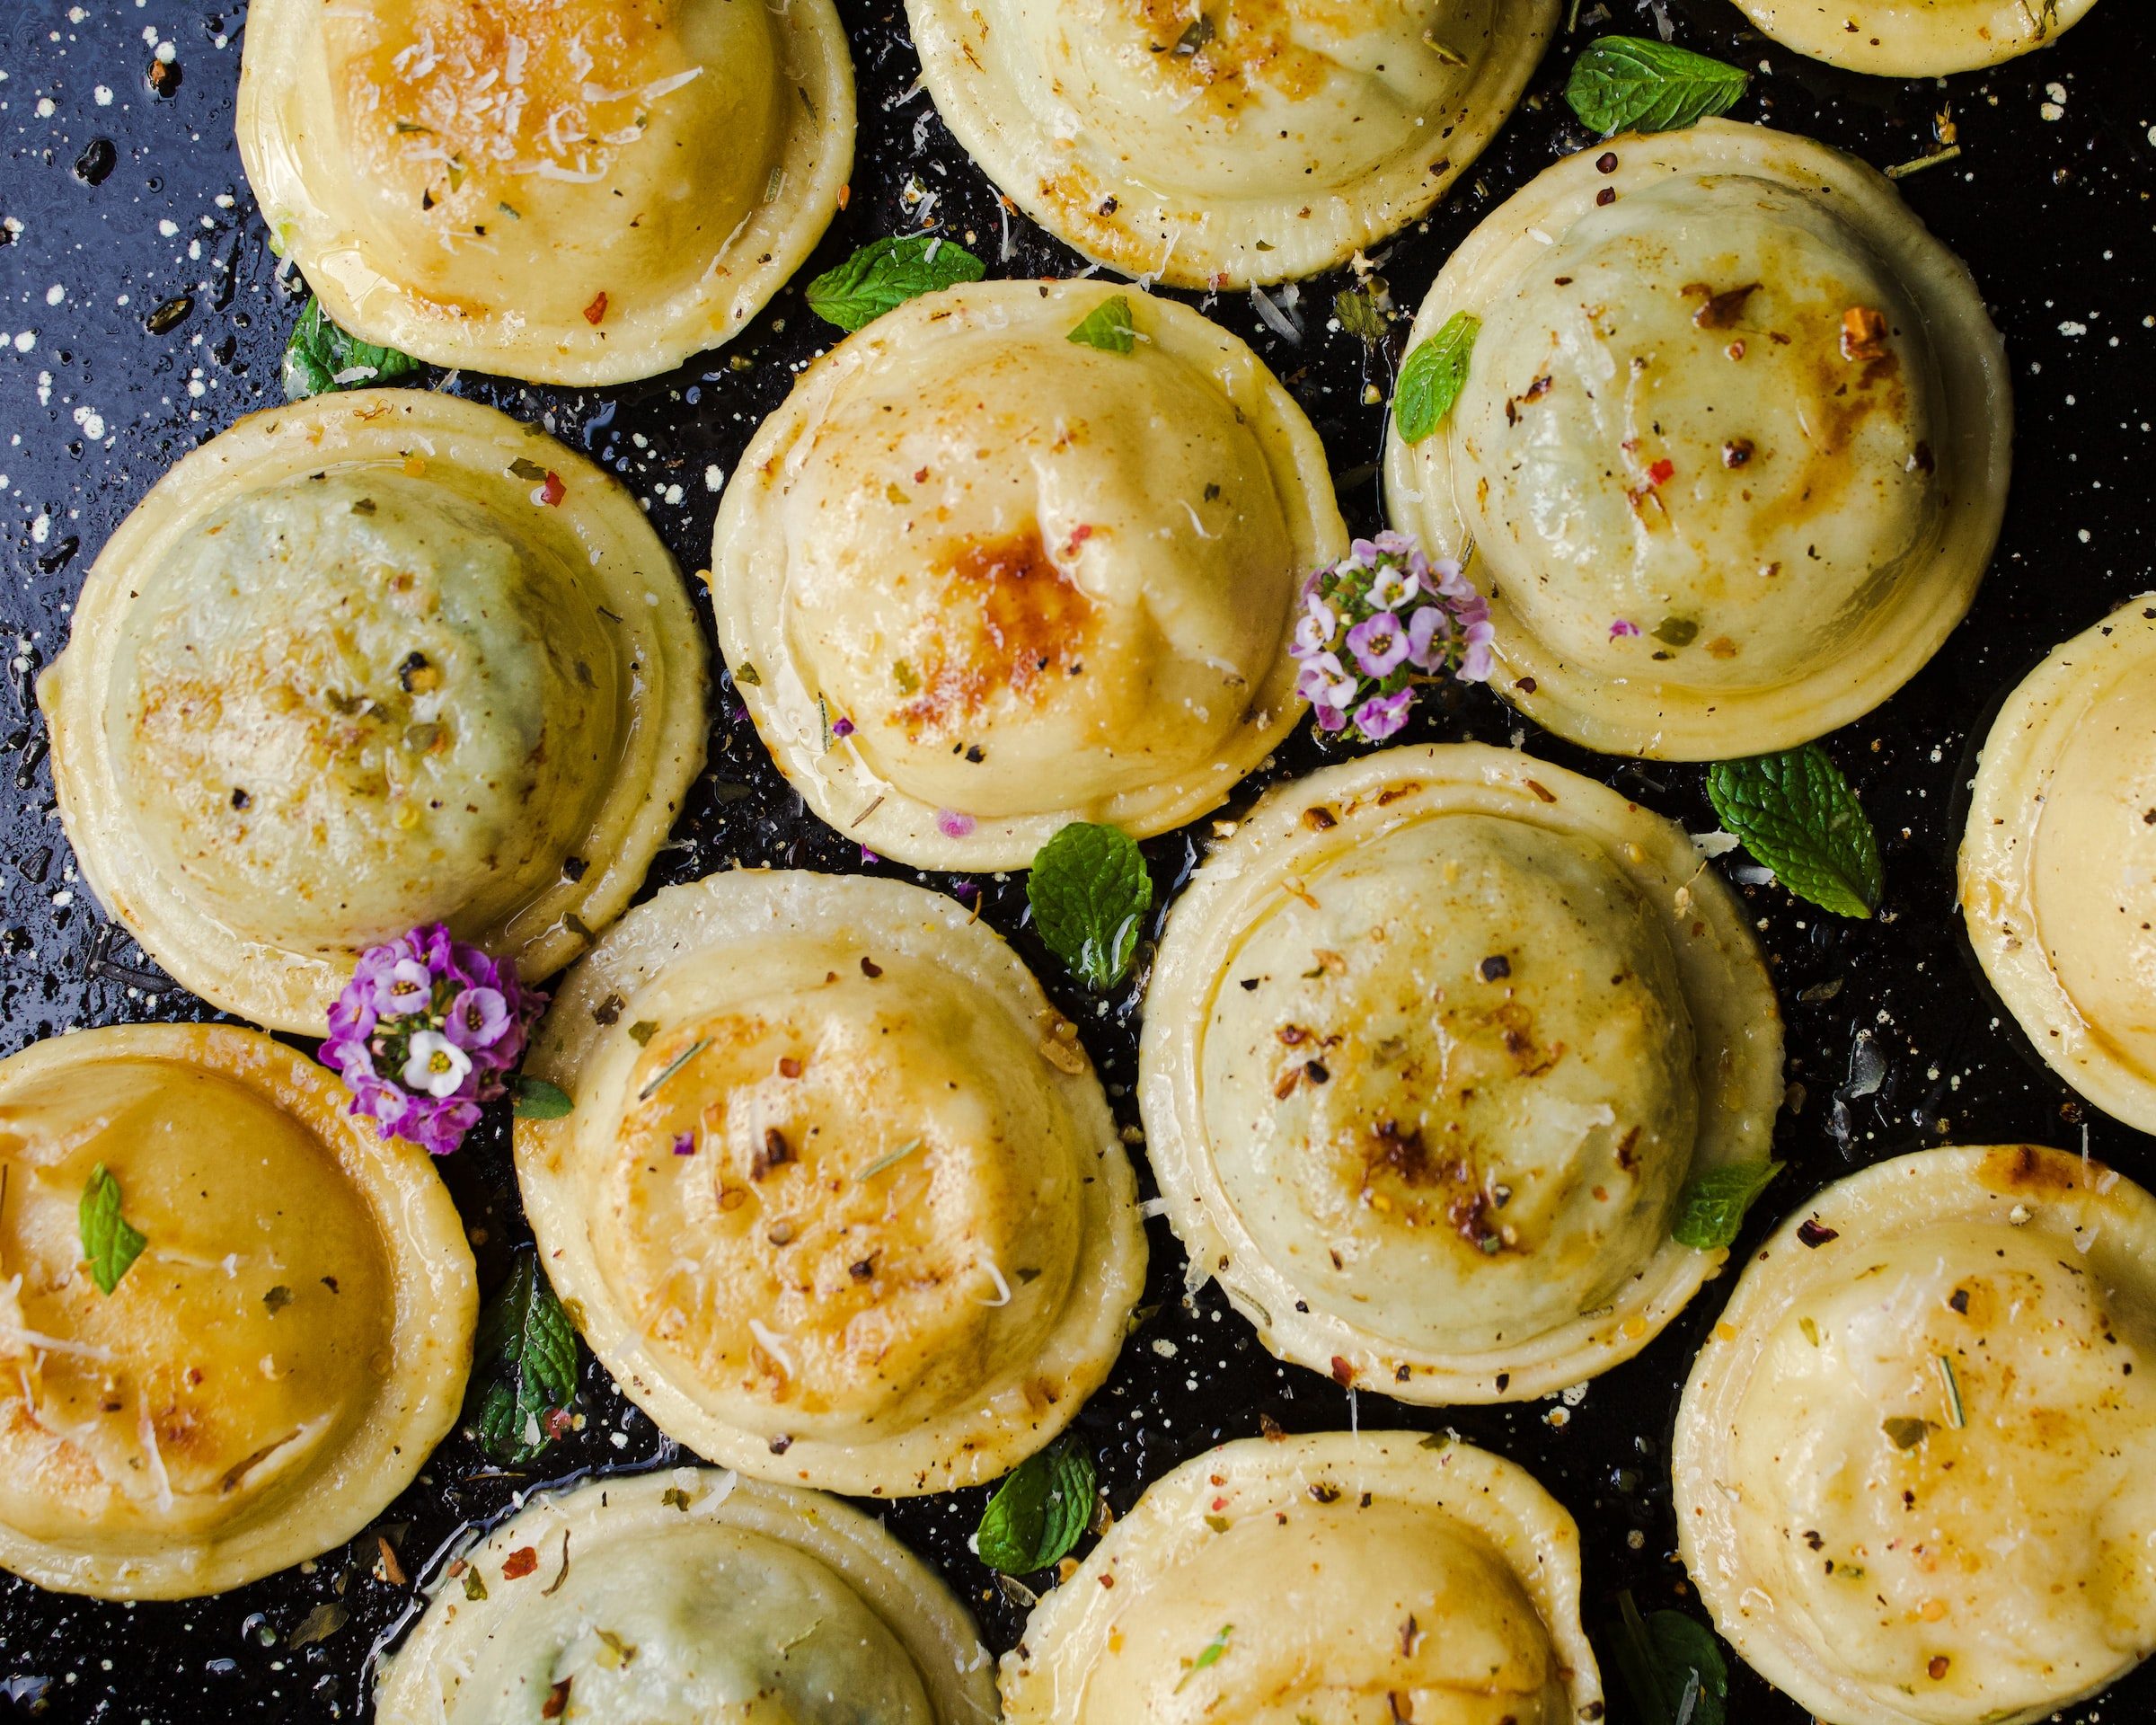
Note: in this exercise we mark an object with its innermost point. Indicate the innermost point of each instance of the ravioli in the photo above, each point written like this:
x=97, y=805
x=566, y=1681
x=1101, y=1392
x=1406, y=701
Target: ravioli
x=840, y=1201
x=571, y=191
x=2058, y=861
x=977, y=580
x=1329, y=1577
x=689, y=1594
x=1916, y=1466
x=1432, y=1045
x=1733, y=446
x=274, y=1366
x=1237, y=142
x=370, y=661
x=1914, y=39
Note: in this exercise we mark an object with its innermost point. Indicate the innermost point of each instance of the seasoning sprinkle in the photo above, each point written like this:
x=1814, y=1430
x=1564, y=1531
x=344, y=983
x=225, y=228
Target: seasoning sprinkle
x=673, y=1067
x=891, y=1161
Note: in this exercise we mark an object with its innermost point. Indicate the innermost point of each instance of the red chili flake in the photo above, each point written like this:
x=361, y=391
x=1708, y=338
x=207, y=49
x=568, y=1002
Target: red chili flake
x=1863, y=333
x=1662, y=472
x=870, y=968
x=558, y=1421
x=788, y=1067
x=1938, y=1668
x=595, y=313
x=557, y=1700
x=845, y=194
x=519, y=1563
x=553, y=491
x=1815, y=1233
x=1270, y=1428
x=1343, y=1373
x=1721, y=311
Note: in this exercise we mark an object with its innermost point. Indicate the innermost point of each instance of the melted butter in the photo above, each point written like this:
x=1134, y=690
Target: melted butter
x=1458, y=1110
x=357, y=703
x=234, y=1352
x=1672, y=431
x=1989, y=1556
x=1044, y=577
x=876, y=1212
x=622, y=141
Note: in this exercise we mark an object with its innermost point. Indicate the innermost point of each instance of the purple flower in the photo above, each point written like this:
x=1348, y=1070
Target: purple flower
x=1424, y=636
x=869, y=856
x=684, y=1144
x=1378, y=644
x=1330, y=718
x=1382, y=715
x=1324, y=682
x=841, y=728
x=1623, y=626
x=953, y=824
x=418, y=1069
x=1392, y=586
x=1478, y=662
x=477, y=1018
x=1314, y=629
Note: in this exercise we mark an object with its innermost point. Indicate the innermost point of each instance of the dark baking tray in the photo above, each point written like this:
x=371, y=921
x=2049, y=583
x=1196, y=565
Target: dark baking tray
x=2052, y=214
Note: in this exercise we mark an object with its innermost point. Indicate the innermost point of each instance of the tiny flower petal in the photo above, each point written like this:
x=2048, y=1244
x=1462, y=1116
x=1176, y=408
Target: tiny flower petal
x=684, y=1144
x=435, y=1065
x=1378, y=644
x=1392, y=586
x=841, y=727
x=477, y=1018
x=1330, y=718
x=407, y=988
x=1382, y=715
x=1623, y=626
x=1427, y=647
x=951, y=824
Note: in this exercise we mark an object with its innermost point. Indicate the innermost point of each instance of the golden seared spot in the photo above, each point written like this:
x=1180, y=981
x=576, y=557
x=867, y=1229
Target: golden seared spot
x=455, y=102
x=1011, y=619
x=234, y=1349
x=827, y=1206
x=1233, y=45
x=2027, y=1168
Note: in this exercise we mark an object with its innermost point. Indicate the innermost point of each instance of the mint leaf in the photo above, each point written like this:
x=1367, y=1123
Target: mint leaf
x=1634, y=83
x=319, y=352
x=537, y=1099
x=1090, y=893
x=886, y=274
x=523, y=1366
x=1796, y=814
x=1107, y=327
x=1356, y=309
x=1040, y=1509
x=109, y=1244
x=1712, y=1207
x=1431, y=380
x=1671, y=1664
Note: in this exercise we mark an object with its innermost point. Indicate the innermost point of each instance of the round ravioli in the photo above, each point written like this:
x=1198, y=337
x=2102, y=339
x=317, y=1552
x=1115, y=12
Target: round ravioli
x=1351, y=1579
x=689, y=1595
x=2058, y=864
x=1432, y=1046
x=1245, y=141
x=1916, y=1464
x=1914, y=39
x=286, y=1338
x=840, y=1198
x=573, y=191
x=1732, y=448
x=367, y=662
x=979, y=578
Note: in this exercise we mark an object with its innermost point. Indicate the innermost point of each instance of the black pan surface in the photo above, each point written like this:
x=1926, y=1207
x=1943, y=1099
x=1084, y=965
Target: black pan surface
x=122, y=194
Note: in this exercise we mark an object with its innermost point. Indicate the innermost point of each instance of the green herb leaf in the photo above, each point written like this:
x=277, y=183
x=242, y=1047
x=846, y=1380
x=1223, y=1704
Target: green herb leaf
x=319, y=352
x=1636, y=83
x=319, y=1624
x=1712, y=1208
x=1107, y=327
x=1796, y=814
x=1671, y=1664
x=1209, y=1655
x=886, y=274
x=523, y=1366
x=109, y=1244
x=1090, y=893
x=1356, y=309
x=1431, y=380
x=537, y=1099
x=1040, y=1509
